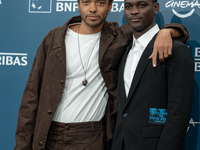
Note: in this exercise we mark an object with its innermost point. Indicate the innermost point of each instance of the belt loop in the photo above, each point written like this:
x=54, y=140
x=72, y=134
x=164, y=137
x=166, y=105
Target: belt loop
x=92, y=125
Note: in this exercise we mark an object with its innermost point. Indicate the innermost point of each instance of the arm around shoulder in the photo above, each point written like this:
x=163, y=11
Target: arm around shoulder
x=163, y=44
x=183, y=35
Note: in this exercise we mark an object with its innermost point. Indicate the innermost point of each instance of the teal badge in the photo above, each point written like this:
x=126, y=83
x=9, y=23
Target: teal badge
x=157, y=115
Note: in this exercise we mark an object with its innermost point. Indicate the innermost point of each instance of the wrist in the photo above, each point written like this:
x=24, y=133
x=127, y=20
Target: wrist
x=172, y=32
x=168, y=32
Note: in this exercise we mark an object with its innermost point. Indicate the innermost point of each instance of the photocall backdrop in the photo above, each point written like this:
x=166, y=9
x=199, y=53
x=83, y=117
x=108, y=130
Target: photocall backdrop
x=23, y=25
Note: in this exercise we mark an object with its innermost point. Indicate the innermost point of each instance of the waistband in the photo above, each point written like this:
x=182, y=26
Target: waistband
x=77, y=127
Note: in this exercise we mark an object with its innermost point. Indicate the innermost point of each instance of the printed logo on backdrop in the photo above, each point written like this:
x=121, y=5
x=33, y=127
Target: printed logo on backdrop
x=45, y=6
x=40, y=6
x=188, y=6
x=197, y=59
x=193, y=123
x=72, y=6
x=13, y=59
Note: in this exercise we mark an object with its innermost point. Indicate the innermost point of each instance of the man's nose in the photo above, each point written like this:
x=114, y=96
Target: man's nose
x=134, y=10
x=93, y=7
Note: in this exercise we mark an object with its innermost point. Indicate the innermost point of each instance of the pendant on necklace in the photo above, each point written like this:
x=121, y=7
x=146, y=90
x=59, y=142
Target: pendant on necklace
x=84, y=82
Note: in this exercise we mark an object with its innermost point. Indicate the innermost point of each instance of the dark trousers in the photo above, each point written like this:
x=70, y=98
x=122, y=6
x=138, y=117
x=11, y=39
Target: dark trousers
x=76, y=136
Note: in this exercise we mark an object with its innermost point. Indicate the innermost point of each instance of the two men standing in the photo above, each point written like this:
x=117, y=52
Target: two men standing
x=69, y=102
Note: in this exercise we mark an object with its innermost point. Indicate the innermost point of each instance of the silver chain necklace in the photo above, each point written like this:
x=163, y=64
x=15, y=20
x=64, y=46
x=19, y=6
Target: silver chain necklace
x=85, y=81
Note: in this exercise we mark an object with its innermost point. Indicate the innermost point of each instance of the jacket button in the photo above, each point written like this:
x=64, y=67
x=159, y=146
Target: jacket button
x=67, y=128
x=61, y=82
x=125, y=115
x=49, y=112
x=40, y=143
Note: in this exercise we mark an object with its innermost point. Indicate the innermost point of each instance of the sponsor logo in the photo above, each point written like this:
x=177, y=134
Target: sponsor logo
x=187, y=5
x=72, y=6
x=118, y=7
x=66, y=6
x=13, y=59
x=197, y=59
x=191, y=122
x=40, y=6
x=45, y=6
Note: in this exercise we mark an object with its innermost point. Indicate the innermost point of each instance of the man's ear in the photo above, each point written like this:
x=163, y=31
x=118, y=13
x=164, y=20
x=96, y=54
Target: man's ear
x=156, y=7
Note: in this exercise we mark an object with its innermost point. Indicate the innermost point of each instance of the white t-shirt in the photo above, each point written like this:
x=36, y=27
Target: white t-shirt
x=81, y=103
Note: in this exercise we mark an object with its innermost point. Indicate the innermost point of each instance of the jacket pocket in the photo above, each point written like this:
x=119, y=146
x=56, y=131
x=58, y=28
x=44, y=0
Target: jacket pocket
x=152, y=131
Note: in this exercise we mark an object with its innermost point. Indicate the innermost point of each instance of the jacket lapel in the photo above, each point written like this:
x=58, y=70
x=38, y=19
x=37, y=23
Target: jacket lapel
x=61, y=54
x=142, y=64
x=121, y=88
x=107, y=37
x=59, y=43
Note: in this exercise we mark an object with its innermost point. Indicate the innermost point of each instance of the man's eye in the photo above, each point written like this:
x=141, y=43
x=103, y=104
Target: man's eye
x=127, y=7
x=100, y=3
x=85, y=2
x=142, y=5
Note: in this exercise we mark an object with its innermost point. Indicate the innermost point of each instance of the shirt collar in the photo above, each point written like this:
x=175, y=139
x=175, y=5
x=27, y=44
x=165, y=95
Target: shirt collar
x=146, y=38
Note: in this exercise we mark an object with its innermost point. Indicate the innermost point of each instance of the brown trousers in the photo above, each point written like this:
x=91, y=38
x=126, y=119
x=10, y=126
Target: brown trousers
x=76, y=136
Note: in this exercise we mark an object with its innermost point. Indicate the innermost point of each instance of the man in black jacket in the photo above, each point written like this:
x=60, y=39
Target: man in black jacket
x=154, y=104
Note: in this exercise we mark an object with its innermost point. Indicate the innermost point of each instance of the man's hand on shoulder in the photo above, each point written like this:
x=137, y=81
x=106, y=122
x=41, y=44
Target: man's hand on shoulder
x=163, y=45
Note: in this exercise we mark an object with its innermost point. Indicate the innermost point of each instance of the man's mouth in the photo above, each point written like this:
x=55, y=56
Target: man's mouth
x=135, y=19
x=93, y=17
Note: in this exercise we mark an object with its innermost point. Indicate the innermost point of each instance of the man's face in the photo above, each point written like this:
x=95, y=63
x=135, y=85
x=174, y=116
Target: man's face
x=140, y=14
x=94, y=12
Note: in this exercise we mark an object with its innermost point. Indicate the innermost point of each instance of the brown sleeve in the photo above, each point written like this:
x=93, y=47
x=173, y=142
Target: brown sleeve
x=182, y=29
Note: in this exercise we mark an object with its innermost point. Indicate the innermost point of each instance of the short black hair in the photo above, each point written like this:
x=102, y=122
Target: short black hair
x=155, y=1
x=110, y=1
